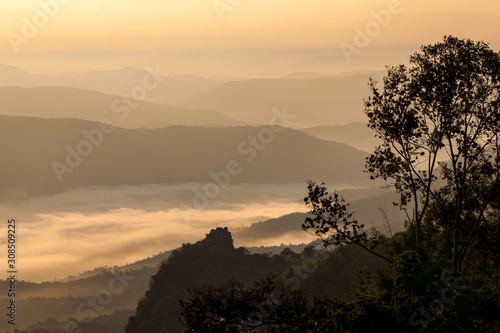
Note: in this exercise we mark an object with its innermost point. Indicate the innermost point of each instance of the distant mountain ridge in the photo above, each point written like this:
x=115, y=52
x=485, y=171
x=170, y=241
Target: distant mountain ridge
x=175, y=154
x=306, y=75
x=113, y=82
x=316, y=98
x=65, y=102
x=368, y=211
x=316, y=101
x=356, y=134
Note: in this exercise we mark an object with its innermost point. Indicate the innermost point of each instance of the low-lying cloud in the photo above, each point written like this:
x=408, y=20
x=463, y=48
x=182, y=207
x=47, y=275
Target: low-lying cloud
x=76, y=231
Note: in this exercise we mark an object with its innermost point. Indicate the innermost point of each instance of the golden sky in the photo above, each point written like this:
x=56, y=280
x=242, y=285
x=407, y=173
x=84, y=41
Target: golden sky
x=98, y=27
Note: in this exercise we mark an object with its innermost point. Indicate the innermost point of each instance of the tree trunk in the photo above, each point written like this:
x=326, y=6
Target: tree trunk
x=455, y=259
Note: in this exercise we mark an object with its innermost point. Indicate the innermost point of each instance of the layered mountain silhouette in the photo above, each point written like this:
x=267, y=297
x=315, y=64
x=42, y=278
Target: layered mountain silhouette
x=154, y=286
x=356, y=134
x=215, y=261
x=320, y=100
x=212, y=260
x=171, y=89
x=316, y=99
x=82, y=157
x=65, y=102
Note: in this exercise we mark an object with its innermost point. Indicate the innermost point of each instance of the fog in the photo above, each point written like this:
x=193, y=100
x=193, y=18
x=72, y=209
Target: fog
x=69, y=233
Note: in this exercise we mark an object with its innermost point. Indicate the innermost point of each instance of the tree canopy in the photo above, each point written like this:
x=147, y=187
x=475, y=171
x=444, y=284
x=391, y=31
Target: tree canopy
x=439, y=120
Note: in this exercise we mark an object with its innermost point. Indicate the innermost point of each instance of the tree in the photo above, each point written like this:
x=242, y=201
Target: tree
x=331, y=221
x=233, y=308
x=439, y=120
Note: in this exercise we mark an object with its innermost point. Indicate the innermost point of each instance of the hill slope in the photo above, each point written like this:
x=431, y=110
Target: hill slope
x=160, y=156
x=318, y=101
x=116, y=82
x=356, y=134
x=368, y=211
x=64, y=102
x=212, y=260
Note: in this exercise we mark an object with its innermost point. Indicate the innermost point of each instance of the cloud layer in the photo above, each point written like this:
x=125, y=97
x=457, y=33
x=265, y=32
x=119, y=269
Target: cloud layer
x=79, y=230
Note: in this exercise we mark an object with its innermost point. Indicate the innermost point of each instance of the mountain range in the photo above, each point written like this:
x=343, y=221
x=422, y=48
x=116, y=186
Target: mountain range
x=171, y=88
x=355, y=134
x=66, y=102
x=317, y=101
x=65, y=154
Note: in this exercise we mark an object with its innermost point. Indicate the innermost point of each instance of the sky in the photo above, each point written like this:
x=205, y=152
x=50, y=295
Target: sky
x=229, y=36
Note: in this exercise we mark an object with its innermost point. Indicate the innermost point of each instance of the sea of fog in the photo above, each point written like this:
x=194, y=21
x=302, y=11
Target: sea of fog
x=76, y=231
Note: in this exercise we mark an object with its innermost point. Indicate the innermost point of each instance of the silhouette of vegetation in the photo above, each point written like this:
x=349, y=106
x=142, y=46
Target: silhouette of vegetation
x=233, y=308
x=331, y=221
x=213, y=260
x=439, y=121
x=209, y=279
x=112, y=323
x=446, y=103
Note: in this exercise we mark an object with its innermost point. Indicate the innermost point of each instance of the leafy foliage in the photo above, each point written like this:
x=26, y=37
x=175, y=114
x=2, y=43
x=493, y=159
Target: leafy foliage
x=233, y=308
x=331, y=221
x=447, y=102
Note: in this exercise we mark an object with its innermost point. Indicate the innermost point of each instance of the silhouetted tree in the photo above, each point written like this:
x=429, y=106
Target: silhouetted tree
x=331, y=221
x=233, y=308
x=445, y=105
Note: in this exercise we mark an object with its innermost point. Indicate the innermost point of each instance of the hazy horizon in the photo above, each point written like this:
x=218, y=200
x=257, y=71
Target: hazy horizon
x=248, y=40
